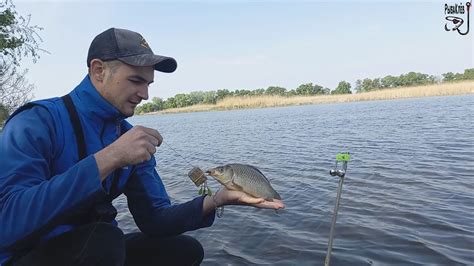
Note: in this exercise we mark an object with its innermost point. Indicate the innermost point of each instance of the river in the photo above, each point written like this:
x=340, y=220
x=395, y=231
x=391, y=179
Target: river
x=408, y=196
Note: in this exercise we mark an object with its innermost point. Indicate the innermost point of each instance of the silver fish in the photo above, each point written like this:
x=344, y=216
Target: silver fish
x=244, y=178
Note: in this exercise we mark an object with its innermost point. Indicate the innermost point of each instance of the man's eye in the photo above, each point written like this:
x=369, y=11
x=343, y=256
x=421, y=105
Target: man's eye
x=135, y=81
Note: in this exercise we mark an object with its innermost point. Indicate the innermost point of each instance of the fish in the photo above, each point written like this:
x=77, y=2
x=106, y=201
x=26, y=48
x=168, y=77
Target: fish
x=246, y=178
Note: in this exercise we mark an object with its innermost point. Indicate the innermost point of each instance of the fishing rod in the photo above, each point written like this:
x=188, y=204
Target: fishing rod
x=342, y=158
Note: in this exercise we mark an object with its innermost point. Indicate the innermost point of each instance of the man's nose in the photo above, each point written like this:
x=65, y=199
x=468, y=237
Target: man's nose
x=143, y=93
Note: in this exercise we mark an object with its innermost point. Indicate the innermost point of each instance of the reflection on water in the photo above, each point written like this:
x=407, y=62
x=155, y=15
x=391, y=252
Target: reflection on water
x=408, y=196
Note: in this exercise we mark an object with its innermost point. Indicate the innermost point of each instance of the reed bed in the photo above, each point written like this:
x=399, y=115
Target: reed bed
x=263, y=101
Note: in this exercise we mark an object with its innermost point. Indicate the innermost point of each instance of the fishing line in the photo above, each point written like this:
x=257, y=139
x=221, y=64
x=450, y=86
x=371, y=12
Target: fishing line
x=177, y=153
x=199, y=179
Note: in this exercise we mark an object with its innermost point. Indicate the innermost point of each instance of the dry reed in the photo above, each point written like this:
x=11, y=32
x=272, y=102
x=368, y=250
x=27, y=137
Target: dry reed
x=229, y=103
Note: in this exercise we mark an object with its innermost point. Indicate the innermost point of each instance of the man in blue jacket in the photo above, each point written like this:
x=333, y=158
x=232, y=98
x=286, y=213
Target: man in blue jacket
x=65, y=159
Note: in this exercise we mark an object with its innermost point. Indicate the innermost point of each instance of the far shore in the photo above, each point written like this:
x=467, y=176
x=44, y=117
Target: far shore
x=264, y=101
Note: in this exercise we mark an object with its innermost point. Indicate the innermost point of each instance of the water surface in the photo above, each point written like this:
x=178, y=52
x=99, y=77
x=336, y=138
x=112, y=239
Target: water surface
x=408, y=196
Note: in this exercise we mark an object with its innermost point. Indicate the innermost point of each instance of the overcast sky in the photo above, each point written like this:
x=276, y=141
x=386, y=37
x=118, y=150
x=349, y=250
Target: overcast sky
x=253, y=44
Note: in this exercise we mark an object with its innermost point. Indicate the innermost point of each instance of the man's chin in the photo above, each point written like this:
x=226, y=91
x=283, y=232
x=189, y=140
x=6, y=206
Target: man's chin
x=128, y=112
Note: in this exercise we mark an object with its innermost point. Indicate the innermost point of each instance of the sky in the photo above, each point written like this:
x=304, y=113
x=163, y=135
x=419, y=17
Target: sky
x=252, y=44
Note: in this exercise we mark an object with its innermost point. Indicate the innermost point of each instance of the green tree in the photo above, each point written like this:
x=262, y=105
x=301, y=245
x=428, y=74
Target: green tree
x=221, y=94
x=182, y=100
x=170, y=103
x=448, y=76
x=196, y=97
x=468, y=73
x=318, y=89
x=309, y=89
x=209, y=97
x=259, y=92
x=18, y=40
x=343, y=87
x=242, y=93
x=291, y=93
x=365, y=85
x=388, y=82
x=275, y=90
x=158, y=103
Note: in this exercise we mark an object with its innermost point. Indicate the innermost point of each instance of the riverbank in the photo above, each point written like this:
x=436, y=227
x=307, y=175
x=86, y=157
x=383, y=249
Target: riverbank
x=230, y=103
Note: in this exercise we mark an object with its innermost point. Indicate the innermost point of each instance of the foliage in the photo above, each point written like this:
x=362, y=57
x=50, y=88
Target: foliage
x=275, y=90
x=18, y=40
x=310, y=89
x=467, y=75
x=343, y=87
x=14, y=88
x=388, y=82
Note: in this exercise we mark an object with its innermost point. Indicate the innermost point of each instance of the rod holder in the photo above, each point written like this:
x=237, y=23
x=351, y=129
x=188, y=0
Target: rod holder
x=341, y=173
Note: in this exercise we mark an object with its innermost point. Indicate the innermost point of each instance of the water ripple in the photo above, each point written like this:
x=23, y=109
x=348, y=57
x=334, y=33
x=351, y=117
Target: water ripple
x=408, y=196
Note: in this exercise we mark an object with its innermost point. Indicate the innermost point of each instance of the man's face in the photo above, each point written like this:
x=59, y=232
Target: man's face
x=125, y=86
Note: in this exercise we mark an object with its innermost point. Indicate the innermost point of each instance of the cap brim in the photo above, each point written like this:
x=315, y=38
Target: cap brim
x=161, y=63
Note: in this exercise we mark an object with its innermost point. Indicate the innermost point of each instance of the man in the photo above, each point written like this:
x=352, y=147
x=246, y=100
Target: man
x=65, y=159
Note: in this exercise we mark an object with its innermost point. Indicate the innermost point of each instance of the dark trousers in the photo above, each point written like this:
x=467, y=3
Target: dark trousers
x=104, y=244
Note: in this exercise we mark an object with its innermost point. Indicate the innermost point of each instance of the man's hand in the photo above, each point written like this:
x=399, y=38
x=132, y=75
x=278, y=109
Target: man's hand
x=135, y=146
x=231, y=197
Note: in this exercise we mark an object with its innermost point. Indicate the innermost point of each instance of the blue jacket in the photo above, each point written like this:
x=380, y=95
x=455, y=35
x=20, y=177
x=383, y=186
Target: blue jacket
x=44, y=190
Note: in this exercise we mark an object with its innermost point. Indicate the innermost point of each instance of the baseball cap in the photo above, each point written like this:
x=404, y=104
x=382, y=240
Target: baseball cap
x=129, y=47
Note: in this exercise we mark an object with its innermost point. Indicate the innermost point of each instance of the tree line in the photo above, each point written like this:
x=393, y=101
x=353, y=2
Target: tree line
x=307, y=89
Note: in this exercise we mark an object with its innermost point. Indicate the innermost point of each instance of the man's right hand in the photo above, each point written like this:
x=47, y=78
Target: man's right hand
x=135, y=146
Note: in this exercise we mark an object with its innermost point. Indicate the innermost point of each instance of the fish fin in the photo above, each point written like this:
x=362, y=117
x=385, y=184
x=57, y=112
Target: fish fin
x=236, y=186
x=277, y=196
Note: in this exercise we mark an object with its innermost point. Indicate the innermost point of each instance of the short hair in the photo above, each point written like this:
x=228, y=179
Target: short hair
x=113, y=65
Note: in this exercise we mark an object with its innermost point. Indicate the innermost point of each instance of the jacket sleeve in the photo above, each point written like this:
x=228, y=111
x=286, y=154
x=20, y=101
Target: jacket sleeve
x=31, y=199
x=151, y=209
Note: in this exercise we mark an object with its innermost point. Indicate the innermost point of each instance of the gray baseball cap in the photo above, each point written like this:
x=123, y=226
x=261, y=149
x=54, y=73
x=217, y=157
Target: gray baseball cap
x=129, y=47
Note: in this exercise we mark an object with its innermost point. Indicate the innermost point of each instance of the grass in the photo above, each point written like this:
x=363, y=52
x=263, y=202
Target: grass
x=230, y=103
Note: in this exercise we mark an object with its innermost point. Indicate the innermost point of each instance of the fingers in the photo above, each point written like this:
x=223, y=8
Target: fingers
x=156, y=136
x=137, y=145
x=246, y=199
x=152, y=140
x=151, y=148
x=261, y=203
x=275, y=204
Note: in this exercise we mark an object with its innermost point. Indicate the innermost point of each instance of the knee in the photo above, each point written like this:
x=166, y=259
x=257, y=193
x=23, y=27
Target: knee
x=107, y=232
x=195, y=249
x=106, y=246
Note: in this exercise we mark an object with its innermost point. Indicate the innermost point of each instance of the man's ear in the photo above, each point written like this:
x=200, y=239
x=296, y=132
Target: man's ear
x=97, y=71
